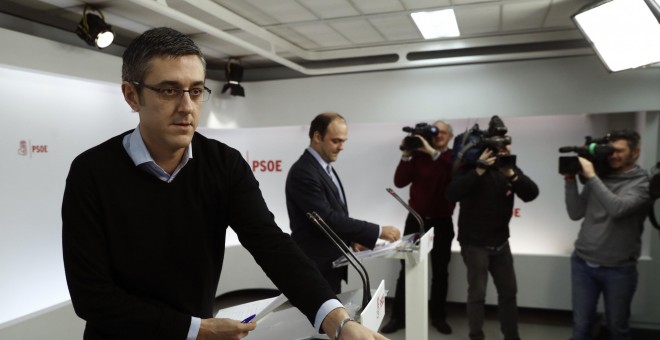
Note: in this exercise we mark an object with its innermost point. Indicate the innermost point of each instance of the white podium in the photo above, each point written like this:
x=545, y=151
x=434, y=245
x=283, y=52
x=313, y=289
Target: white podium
x=417, y=286
x=417, y=279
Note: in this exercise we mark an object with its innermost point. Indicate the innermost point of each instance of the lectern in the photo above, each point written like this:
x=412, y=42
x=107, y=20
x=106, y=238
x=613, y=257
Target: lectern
x=415, y=254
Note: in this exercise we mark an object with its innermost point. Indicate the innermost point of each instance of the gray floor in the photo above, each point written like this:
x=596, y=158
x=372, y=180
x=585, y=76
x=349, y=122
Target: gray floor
x=534, y=324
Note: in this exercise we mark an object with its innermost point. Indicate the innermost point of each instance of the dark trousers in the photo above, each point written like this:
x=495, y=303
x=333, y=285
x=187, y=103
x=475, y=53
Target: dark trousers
x=499, y=262
x=440, y=256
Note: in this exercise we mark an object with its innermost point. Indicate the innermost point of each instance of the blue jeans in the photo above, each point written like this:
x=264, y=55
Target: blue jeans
x=480, y=261
x=617, y=284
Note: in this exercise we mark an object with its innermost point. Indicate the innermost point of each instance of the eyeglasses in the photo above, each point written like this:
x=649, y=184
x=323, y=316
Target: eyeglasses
x=197, y=94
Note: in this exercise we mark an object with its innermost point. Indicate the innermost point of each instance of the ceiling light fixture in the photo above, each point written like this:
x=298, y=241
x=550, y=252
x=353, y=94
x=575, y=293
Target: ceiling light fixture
x=437, y=24
x=624, y=33
x=234, y=76
x=94, y=30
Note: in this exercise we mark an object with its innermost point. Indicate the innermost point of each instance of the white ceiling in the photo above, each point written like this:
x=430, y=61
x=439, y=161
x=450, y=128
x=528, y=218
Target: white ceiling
x=316, y=37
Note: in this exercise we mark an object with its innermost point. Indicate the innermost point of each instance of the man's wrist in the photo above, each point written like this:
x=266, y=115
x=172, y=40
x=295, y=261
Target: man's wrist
x=341, y=327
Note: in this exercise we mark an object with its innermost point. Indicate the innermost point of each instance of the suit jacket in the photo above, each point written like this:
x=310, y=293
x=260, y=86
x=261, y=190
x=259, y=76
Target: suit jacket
x=309, y=188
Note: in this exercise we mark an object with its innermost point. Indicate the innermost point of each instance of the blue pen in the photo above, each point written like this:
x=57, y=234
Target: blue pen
x=249, y=318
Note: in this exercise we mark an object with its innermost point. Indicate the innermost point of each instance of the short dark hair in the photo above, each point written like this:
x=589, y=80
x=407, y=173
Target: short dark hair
x=320, y=123
x=156, y=42
x=632, y=137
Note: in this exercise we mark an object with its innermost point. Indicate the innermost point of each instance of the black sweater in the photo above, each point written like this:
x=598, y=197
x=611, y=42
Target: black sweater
x=142, y=256
x=486, y=204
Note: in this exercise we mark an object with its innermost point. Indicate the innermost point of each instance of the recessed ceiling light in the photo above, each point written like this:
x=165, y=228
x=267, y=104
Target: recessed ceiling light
x=437, y=24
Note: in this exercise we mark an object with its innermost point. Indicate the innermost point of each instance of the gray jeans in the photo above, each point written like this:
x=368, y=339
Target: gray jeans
x=499, y=262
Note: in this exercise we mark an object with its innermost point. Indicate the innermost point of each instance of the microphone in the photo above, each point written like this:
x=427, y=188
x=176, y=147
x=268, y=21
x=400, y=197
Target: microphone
x=591, y=149
x=343, y=248
x=419, y=219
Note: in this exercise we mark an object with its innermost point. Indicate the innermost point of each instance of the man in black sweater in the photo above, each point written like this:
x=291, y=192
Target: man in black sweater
x=485, y=193
x=145, y=214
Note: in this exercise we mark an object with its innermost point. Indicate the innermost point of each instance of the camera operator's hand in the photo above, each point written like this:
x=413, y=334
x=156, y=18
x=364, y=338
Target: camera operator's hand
x=405, y=152
x=506, y=170
x=426, y=147
x=485, y=160
x=588, y=170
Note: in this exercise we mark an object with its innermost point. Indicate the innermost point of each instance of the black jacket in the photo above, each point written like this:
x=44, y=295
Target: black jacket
x=486, y=204
x=309, y=188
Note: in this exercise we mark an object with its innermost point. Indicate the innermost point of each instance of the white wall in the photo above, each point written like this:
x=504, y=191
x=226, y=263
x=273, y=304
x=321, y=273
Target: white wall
x=530, y=88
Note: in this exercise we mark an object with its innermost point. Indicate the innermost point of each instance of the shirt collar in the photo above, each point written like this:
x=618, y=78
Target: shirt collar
x=137, y=150
x=318, y=158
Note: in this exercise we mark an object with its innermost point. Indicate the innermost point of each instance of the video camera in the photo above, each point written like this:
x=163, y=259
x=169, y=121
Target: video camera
x=595, y=150
x=468, y=146
x=425, y=130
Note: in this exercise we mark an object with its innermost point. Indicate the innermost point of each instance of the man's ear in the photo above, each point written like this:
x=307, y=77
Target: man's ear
x=316, y=137
x=635, y=153
x=130, y=95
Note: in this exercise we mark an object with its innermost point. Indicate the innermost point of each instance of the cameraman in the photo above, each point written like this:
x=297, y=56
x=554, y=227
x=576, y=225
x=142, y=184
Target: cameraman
x=613, y=209
x=428, y=171
x=486, y=194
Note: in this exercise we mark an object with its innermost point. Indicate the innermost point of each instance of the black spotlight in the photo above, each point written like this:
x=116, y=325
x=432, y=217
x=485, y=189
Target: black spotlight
x=234, y=76
x=94, y=30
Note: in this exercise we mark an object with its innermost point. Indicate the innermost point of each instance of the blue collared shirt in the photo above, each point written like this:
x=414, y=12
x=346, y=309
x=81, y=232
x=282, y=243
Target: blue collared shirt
x=137, y=150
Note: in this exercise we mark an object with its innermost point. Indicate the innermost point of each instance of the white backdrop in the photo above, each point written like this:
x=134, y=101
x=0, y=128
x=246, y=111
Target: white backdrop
x=47, y=120
x=366, y=167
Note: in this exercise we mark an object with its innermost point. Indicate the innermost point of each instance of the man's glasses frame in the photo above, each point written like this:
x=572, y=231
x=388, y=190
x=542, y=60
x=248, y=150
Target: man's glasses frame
x=197, y=94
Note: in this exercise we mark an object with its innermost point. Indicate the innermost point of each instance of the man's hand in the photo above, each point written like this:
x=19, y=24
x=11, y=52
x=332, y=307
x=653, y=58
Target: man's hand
x=216, y=329
x=358, y=247
x=426, y=147
x=588, y=170
x=406, y=152
x=351, y=330
x=389, y=233
x=487, y=159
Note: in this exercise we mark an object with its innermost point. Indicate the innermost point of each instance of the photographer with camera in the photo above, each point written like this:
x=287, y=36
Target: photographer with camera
x=425, y=165
x=485, y=188
x=612, y=207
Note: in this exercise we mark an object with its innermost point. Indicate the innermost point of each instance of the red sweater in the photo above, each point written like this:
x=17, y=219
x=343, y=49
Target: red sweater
x=428, y=181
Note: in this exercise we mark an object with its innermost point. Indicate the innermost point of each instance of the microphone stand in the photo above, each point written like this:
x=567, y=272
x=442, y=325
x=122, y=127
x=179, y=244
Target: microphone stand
x=419, y=219
x=343, y=248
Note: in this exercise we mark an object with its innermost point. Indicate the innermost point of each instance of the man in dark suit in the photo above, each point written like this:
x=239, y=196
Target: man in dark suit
x=313, y=186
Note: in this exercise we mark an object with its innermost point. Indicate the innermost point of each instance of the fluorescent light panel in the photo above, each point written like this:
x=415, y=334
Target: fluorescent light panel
x=437, y=24
x=624, y=33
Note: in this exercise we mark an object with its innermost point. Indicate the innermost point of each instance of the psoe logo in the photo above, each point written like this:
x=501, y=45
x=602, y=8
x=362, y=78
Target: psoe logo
x=25, y=148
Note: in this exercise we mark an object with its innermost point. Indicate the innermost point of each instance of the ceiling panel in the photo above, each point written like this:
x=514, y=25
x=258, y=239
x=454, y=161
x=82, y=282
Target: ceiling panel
x=291, y=34
x=424, y=4
x=284, y=11
x=380, y=6
x=561, y=11
x=358, y=31
x=396, y=27
x=328, y=9
x=524, y=15
x=478, y=20
x=322, y=34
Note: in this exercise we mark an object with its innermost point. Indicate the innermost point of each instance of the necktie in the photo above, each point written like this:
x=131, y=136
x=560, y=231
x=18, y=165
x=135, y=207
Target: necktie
x=334, y=180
